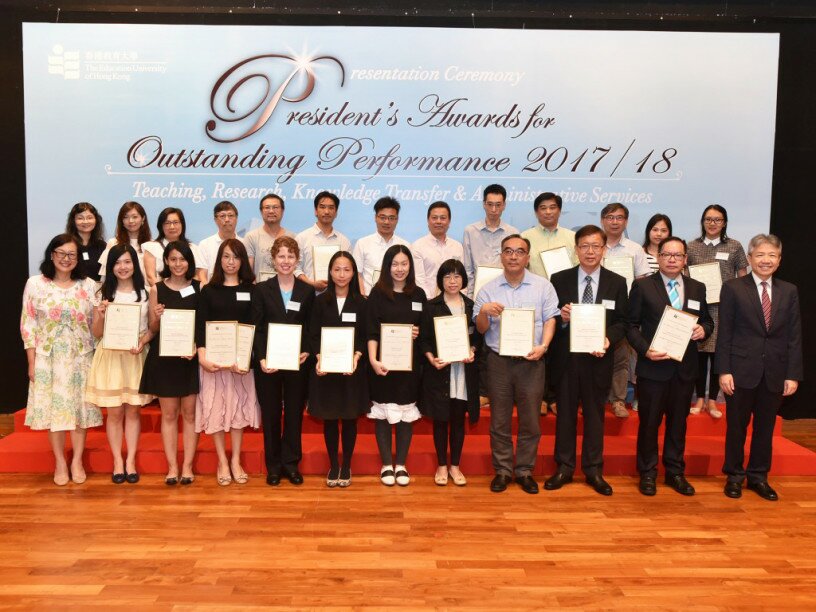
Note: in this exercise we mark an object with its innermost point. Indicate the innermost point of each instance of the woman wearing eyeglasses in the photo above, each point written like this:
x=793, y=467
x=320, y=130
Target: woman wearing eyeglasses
x=714, y=245
x=56, y=330
x=171, y=226
x=85, y=224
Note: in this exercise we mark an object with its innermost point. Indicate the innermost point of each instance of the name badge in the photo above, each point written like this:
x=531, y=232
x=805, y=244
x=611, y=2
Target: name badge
x=609, y=304
x=85, y=256
x=293, y=306
x=242, y=296
x=349, y=317
x=721, y=256
x=694, y=304
x=188, y=290
x=416, y=306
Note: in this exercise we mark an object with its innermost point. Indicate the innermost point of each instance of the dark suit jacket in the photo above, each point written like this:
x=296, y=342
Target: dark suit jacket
x=647, y=301
x=745, y=349
x=612, y=287
x=268, y=307
x=324, y=314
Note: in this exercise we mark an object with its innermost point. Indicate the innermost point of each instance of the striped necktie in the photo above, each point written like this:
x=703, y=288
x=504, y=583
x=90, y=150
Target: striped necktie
x=766, y=305
x=674, y=295
x=587, y=298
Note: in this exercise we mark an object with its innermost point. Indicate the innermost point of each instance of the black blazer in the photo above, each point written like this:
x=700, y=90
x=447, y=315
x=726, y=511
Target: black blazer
x=745, y=349
x=436, y=383
x=268, y=307
x=612, y=287
x=647, y=301
x=324, y=314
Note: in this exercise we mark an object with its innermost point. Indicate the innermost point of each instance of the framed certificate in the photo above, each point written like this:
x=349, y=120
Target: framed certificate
x=321, y=256
x=397, y=346
x=587, y=328
x=265, y=275
x=516, y=331
x=485, y=274
x=122, y=322
x=452, y=341
x=555, y=260
x=222, y=338
x=709, y=275
x=623, y=265
x=177, y=333
x=375, y=276
x=337, y=350
x=283, y=346
x=243, y=345
x=673, y=333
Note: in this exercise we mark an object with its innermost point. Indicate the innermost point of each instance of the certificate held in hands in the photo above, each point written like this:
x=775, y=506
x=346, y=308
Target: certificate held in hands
x=485, y=274
x=673, y=333
x=122, y=323
x=222, y=338
x=337, y=350
x=321, y=256
x=516, y=331
x=283, y=346
x=587, y=328
x=177, y=333
x=452, y=341
x=243, y=345
x=709, y=275
x=397, y=346
x=623, y=265
x=555, y=260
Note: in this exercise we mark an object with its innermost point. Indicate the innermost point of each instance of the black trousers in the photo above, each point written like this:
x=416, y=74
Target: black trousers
x=763, y=405
x=656, y=398
x=578, y=385
x=283, y=393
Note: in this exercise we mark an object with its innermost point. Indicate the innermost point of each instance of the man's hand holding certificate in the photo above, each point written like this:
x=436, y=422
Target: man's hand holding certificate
x=587, y=329
x=675, y=330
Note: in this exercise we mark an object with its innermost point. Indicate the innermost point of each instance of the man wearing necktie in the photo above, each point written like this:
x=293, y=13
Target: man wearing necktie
x=665, y=386
x=759, y=356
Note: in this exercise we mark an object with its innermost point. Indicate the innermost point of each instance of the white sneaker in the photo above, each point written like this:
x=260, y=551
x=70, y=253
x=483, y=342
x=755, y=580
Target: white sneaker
x=402, y=477
x=387, y=476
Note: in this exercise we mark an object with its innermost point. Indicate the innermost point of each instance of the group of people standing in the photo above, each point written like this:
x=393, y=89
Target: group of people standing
x=270, y=276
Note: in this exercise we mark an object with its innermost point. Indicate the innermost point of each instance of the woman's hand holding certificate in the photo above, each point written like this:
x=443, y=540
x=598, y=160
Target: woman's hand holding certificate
x=177, y=333
x=122, y=322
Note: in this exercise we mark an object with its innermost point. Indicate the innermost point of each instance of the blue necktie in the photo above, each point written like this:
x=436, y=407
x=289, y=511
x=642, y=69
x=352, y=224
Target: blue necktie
x=674, y=295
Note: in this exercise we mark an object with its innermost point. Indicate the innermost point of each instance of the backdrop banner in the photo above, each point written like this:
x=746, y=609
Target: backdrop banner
x=187, y=116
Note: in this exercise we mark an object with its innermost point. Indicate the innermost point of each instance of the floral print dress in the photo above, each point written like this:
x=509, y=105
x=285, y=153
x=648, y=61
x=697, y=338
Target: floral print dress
x=56, y=322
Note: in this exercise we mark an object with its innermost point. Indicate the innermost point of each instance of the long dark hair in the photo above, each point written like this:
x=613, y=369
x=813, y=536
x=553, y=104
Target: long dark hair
x=720, y=210
x=47, y=267
x=385, y=282
x=111, y=283
x=122, y=236
x=652, y=222
x=186, y=252
x=163, y=217
x=354, y=286
x=245, y=273
x=96, y=233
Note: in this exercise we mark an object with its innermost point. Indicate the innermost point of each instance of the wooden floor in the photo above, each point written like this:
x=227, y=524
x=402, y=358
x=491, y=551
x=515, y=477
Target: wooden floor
x=203, y=546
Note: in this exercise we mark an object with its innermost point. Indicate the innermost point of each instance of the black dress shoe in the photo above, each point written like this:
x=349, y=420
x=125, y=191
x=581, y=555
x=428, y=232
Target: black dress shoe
x=273, y=479
x=118, y=478
x=764, y=490
x=132, y=477
x=647, y=486
x=557, y=480
x=733, y=490
x=296, y=478
x=171, y=481
x=679, y=483
x=527, y=484
x=499, y=483
x=599, y=484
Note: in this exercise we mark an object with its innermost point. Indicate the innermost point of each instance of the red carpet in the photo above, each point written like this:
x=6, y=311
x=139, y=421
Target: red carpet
x=27, y=451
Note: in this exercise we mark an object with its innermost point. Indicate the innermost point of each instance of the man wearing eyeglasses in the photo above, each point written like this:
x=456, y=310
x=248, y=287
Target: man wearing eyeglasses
x=226, y=218
x=369, y=250
x=614, y=219
x=259, y=241
x=515, y=379
x=665, y=386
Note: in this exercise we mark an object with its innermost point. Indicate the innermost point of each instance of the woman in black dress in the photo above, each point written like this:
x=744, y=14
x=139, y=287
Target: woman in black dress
x=85, y=224
x=336, y=397
x=287, y=300
x=394, y=299
x=174, y=379
x=449, y=390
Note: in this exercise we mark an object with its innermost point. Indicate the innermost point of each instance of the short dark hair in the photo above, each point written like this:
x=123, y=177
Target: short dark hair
x=163, y=217
x=47, y=267
x=589, y=230
x=386, y=202
x=610, y=208
x=186, y=252
x=224, y=205
x=245, y=273
x=111, y=283
x=545, y=197
x=519, y=236
x=495, y=188
x=439, y=204
x=354, y=286
x=654, y=221
x=97, y=232
x=672, y=239
x=450, y=266
x=272, y=196
x=327, y=194
x=385, y=283
x=723, y=212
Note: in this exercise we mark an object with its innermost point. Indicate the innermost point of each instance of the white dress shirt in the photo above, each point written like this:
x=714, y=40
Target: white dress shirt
x=314, y=236
x=429, y=253
x=368, y=254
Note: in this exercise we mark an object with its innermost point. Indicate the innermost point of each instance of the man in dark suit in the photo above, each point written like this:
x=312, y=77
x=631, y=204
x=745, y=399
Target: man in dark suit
x=586, y=376
x=759, y=357
x=665, y=385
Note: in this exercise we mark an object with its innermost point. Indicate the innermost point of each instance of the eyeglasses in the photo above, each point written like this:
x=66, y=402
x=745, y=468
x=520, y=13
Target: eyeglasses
x=615, y=218
x=224, y=216
x=384, y=218
x=510, y=252
x=271, y=208
x=64, y=255
x=452, y=277
x=593, y=248
x=171, y=223
x=714, y=221
x=672, y=255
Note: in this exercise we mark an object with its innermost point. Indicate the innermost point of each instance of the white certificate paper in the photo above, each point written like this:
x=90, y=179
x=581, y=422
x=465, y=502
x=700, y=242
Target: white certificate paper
x=222, y=338
x=587, y=328
x=673, y=333
x=555, y=260
x=122, y=323
x=452, y=341
x=264, y=276
x=397, y=346
x=321, y=256
x=283, y=346
x=177, y=333
x=709, y=275
x=337, y=350
x=623, y=265
x=516, y=331
x=485, y=274
x=243, y=345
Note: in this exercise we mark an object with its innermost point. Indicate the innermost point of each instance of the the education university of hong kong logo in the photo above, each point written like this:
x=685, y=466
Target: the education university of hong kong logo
x=247, y=95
